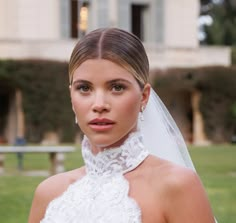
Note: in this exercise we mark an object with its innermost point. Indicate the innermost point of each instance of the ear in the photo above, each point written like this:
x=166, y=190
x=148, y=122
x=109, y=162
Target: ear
x=71, y=98
x=70, y=87
x=145, y=95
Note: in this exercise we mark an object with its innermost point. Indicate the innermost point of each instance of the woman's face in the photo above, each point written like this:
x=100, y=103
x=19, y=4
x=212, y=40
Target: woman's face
x=106, y=99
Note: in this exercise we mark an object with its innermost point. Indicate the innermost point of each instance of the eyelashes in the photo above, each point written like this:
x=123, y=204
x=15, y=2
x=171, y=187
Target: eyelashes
x=118, y=87
x=85, y=88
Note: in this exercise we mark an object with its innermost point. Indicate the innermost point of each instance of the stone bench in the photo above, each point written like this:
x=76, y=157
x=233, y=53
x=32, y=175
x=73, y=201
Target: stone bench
x=56, y=155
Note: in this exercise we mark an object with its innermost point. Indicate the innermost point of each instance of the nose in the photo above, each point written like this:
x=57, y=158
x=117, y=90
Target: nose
x=100, y=103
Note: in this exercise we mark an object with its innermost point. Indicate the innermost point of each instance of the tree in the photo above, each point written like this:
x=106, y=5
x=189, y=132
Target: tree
x=222, y=30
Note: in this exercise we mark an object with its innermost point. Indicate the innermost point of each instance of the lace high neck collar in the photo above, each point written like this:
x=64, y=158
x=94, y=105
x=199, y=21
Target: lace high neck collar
x=115, y=160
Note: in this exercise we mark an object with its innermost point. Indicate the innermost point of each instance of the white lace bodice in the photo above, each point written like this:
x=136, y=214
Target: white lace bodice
x=101, y=196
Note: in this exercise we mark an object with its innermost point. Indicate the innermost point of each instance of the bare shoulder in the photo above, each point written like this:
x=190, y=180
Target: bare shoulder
x=174, y=176
x=181, y=191
x=171, y=178
x=170, y=174
x=50, y=189
x=55, y=185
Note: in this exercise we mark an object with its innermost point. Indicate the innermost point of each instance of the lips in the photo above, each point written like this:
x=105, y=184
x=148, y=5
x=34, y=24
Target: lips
x=103, y=121
x=101, y=124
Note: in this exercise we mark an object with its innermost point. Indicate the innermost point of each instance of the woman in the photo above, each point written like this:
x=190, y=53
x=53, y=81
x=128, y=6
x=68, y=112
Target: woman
x=120, y=182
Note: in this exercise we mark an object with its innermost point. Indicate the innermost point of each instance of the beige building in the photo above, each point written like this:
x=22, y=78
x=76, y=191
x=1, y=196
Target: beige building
x=48, y=29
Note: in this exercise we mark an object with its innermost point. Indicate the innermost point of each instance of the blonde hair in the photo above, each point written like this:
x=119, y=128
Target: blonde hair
x=115, y=45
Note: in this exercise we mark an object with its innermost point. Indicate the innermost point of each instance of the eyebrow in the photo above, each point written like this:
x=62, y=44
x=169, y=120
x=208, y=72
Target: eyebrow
x=119, y=80
x=81, y=81
x=108, y=82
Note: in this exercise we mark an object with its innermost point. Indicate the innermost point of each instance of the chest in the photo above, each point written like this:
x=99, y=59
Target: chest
x=91, y=199
x=148, y=198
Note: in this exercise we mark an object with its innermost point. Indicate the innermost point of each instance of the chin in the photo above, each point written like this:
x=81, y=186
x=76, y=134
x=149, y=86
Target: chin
x=106, y=141
x=115, y=142
x=111, y=139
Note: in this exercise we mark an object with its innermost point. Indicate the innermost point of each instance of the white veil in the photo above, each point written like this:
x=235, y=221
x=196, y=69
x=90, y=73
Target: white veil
x=161, y=135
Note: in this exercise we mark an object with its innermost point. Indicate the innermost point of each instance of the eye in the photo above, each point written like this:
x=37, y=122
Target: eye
x=83, y=88
x=118, y=87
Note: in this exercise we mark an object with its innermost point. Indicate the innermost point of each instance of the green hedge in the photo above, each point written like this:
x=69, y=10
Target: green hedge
x=47, y=105
x=218, y=88
x=46, y=101
x=233, y=56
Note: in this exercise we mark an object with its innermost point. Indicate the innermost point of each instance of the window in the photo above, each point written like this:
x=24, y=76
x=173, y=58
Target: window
x=79, y=18
x=138, y=17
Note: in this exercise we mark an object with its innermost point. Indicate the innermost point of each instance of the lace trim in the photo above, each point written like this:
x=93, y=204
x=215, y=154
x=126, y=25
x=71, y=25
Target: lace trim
x=92, y=200
x=101, y=196
x=115, y=160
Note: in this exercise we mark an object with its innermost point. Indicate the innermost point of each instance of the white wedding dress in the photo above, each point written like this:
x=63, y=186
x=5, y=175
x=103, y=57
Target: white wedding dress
x=101, y=196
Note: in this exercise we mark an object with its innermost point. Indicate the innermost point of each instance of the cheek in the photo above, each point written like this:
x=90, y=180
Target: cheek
x=80, y=106
x=81, y=110
x=130, y=108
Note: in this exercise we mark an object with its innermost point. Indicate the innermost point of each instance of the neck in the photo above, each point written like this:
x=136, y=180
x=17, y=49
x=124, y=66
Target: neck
x=114, y=159
x=100, y=148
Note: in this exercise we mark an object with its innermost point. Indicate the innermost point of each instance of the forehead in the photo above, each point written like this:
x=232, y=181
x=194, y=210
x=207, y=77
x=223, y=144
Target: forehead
x=97, y=69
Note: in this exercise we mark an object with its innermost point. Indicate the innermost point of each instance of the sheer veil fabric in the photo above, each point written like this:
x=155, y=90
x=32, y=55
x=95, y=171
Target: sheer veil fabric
x=161, y=135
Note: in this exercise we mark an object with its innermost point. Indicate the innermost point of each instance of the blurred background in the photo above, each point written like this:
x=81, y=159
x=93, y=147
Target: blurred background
x=191, y=45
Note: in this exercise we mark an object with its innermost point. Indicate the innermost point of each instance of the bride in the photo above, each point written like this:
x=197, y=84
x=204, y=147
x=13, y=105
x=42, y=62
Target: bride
x=137, y=168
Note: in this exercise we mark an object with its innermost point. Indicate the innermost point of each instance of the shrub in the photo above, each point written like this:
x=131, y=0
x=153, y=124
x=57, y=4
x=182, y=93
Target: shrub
x=233, y=55
x=46, y=101
x=217, y=86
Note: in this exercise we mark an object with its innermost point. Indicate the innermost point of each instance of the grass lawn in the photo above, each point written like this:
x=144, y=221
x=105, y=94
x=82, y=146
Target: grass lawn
x=216, y=166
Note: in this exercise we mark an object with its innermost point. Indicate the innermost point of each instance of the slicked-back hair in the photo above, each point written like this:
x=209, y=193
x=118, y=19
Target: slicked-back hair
x=115, y=45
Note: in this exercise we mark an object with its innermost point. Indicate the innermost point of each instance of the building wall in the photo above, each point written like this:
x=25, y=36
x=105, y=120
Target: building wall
x=29, y=19
x=163, y=57
x=41, y=29
x=180, y=23
x=9, y=19
x=152, y=18
x=159, y=57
